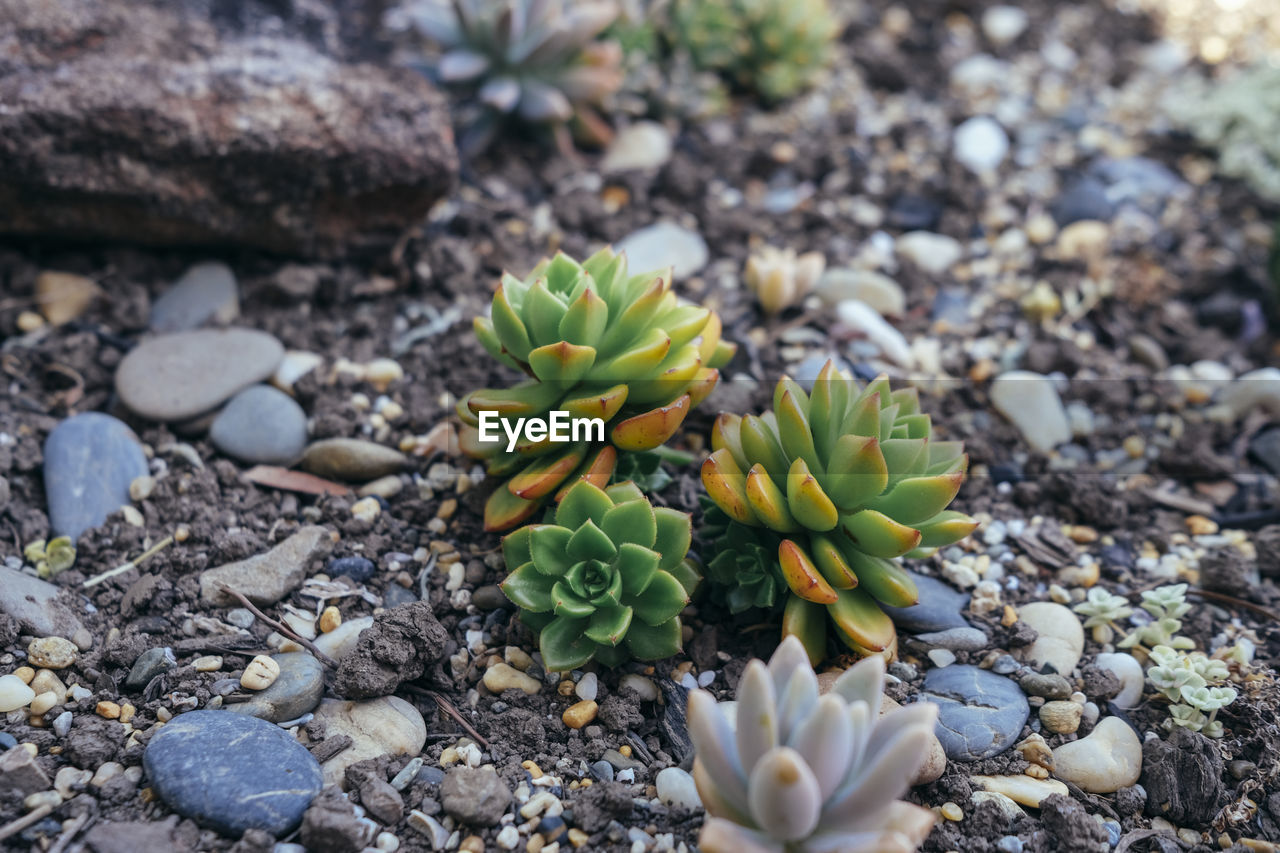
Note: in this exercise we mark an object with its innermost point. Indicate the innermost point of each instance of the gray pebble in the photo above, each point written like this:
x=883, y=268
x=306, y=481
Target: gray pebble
x=980, y=714
x=261, y=426
x=206, y=291
x=297, y=689
x=89, y=461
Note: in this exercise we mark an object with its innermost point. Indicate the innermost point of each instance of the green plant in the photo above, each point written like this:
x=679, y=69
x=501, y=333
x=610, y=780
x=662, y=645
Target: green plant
x=1167, y=605
x=606, y=580
x=779, y=278
x=1186, y=680
x=773, y=47
x=1102, y=611
x=536, y=60
x=596, y=343
x=842, y=482
x=809, y=774
x=52, y=557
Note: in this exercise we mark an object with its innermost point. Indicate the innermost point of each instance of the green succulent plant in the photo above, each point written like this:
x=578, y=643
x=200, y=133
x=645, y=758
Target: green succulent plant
x=52, y=557
x=845, y=481
x=788, y=771
x=1186, y=680
x=536, y=60
x=1167, y=605
x=595, y=343
x=1102, y=611
x=773, y=47
x=606, y=580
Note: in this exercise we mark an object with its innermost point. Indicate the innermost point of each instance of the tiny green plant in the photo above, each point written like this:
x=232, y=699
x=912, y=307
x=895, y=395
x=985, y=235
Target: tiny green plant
x=1102, y=611
x=540, y=61
x=789, y=771
x=1167, y=605
x=596, y=343
x=841, y=483
x=1192, y=682
x=775, y=48
x=779, y=278
x=605, y=580
x=52, y=557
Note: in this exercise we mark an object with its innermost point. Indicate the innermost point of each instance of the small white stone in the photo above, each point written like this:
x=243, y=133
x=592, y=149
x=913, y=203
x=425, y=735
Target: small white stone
x=508, y=838
x=646, y=689
x=295, y=365
x=1255, y=388
x=932, y=253
x=366, y=509
x=1003, y=24
x=1022, y=789
x=341, y=640
x=864, y=320
x=980, y=144
x=1108, y=759
x=875, y=289
x=676, y=788
x=587, y=687
x=1061, y=639
x=387, y=842
x=501, y=676
x=14, y=693
x=643, y=145
x=260, y=674
x=1132, y=678
x=1031, y=403
x=942, y=657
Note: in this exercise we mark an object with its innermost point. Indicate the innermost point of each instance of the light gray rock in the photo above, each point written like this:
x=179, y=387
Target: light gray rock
x=1032, y=404
x=377, y=727
x=643, y=145
x=1108, y=759
x=34, y=605
x=267, y=578
x=1061, y=638
x=207, y=291
x=662, y=245
x=980, y=714
x=179, y=376
x=475, y=795
x=261, y=426
x=89, y=461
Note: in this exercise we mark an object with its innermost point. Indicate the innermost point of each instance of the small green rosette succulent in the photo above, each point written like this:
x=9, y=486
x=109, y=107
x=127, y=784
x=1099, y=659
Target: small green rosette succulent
x=606, y=580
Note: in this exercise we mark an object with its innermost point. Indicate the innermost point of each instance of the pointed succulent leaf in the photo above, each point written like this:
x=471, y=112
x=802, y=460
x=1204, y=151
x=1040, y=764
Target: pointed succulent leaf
x=548, y=544
x=636, y=362
x=886, y=580
x=609, y=625
x=757, y=724
x=504, y=510
x=879, y=535
x=515, y=547
x=715, y=744
x=856, y=614
x=583, y=502
x=891, y=764
x=637, y=566
x=727, y=486
x=585, y=319
x=831, y=562
x=760, y=445
x=529, y=589
x=863, y=417
x=653, y=642
x=905, y=457
x=461, y=65
x=561, y=362
x=653, y=428
x=563, y=645
x=793, y=430
x=565, y=602
x=945, y=528
x=806, y=623
x=544, y=476
x=808, y=502
x=726, y=433
x=828, y=403
x=501, y=93
x=589, y=542
x=863, y=682
x=768, y=502
x=784, y=795
x=624, y=492
x=919, y=498
x=597, y=471
x=857, y=472
x=661, y=600
x=632, y=521
x=488, y=337
x=946, y=457
x=802, y=576
x=634, y=319
x=824, y=740
x=510, y=328
x=673, y=537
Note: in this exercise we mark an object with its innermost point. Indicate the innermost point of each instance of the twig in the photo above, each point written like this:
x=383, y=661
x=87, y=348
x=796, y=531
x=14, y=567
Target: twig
x=15, y=826
x=132, y=564
x=280, y=628
x=69, y=834
x=447, y=706
x=1235, y=602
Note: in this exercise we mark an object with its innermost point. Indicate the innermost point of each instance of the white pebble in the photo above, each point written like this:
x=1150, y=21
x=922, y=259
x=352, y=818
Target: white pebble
x=508, y=838
x=1061, y=639
x=980, y=144
x=14, y=693
x=863, y=319
x=1132, y=679
x=942, y=657
x=1003, y=24
x=587, y=688
x=627, y=775
x=260, y=674
x=932, y=253
x=646, y=689
x=688, y=682
x=387, y=842
x=1031, y=403
x=676, y=788
x=1108, y=759
x=706, y=678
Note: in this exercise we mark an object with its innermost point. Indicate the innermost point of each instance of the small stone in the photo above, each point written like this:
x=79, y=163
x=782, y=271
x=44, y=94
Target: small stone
x=62, y=724
x=1107, y=759
x=951, y=812
x=359, y=569
x=341, y=641
x=29, y=321
x=677, y=789
x=260, y=674
x=640, y=146
x=42, y=799
x=1060, y=717
x=430, y=827
x=980, y=144
x=381, y=800
x=107, y=709
x=932, y=253
x=500, y=677
x=52, y=652
x=149, y=664
x=384, y=487
x=1031, y=403
x=261, y=426
x=90, y=461
x=1132, y=677
x=206, y=292
x=385, y=726
x=366, y=509
x=643, y=687
x=352, y=459
x=662, y=245
x=1085, y=240
x=863, y=320
x=956, y=639
x=295, y=365
x=587, y=687
x=879, y=291
x=330, y=619
x=941, y=607
x=69, y=780
x=14, y=693
x=20, y=772
x=1022, y=789
x=267, y=578
x=1003, y=24
x=1061, y=639
x=64, y=296
x=232, y=772
x=207, y=663
x=179, y=376
x=579, y=714
x=1085, y=198
x=1047, y=685
x=474, y=796
x=43, y=703
x=980, y=714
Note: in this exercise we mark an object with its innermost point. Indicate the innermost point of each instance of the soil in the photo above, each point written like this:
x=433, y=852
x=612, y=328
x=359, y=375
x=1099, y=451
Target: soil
x=1171, y=288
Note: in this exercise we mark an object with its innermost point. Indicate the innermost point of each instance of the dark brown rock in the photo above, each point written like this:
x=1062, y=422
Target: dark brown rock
x=149, y=122
x=330, y=825
x=1182, y=777
x=400, y=644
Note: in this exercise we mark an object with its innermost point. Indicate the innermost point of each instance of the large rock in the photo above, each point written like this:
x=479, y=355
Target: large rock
x=34, y=605
x=89, y=461
x=267, y=578
x=161, y=123
x=980, y=714
x=377, y=727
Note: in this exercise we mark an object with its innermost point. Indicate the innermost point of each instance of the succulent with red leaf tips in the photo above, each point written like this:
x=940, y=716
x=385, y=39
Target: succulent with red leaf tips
x=596, y=343
x=846, y=480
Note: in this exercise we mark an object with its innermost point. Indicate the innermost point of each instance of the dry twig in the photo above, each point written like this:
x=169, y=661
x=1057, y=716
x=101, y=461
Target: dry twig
x=280, y=627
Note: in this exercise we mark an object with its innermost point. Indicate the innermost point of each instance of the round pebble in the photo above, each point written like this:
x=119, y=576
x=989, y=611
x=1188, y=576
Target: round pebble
x=90, y=461
x=261, y=426
x=676, y=789
x=52, y=652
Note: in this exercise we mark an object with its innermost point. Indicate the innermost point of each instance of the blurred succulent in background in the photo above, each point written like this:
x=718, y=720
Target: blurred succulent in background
x=540, y=61
x=52, y=557
x=607, y=580
x=596, y=343
x=844, y=481
x=1102, y=611
x=779, y=278
x=773, y=47
x=1167, y=605
x=792, y=772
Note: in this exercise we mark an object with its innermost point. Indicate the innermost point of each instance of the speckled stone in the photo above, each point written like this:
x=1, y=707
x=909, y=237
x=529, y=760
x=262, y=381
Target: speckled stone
x=232, y=772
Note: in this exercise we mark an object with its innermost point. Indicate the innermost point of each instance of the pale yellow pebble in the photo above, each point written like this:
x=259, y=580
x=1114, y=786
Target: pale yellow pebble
x=472, y=844
x=517, y=657
x=208, y=663
x=1081, y=576
x=126, y=712
x=260, y=674
x=577, y=837
x=108, y=710
x=366, y=509
x=951, y=811
x=448, y=507
x=534, y=770
x=163, y=714
x=1198, y=525
x=625, y=750
x=26, y=673
x=534, y=844
x=52, y=652
x=29, y=321
x=1035, y=771
x=1135, y=446
x=1081, y=534
x=142, y=487
x=565, y=688
x=330, y=619
x=182, y=533
x=42, y=703
x=579, y=714
x=131, y=516
x=391, y=410
x=381, y=372
x=450, y=756
x=47, y=679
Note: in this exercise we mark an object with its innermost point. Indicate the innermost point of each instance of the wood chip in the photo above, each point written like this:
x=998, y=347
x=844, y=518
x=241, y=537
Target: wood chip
x=1182, y=503
x=276, y=477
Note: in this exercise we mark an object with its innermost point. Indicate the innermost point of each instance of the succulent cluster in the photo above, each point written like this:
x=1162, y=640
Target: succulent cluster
x=804, y=773
x=1167, y=605
x=779, y=278
x=50, y=558
x=773, y=47
x=1188, y=682
x=841, y=482
x=595, y=342
x=606, y=580
x=537, y=60
x=1102, y=610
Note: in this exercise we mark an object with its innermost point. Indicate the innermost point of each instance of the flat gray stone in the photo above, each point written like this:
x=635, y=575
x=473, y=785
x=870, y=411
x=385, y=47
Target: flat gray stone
x=663, y=245
x=179, y=376
x=89, y=461
x=296, y=691
x=980, y=714
x=941, y=607
x=232, y=772
x=475, y=795
x=149, y=664
x=352, y=459
x=34, y=605
x=267, y=578
x=207, y=291
x=261, y=426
